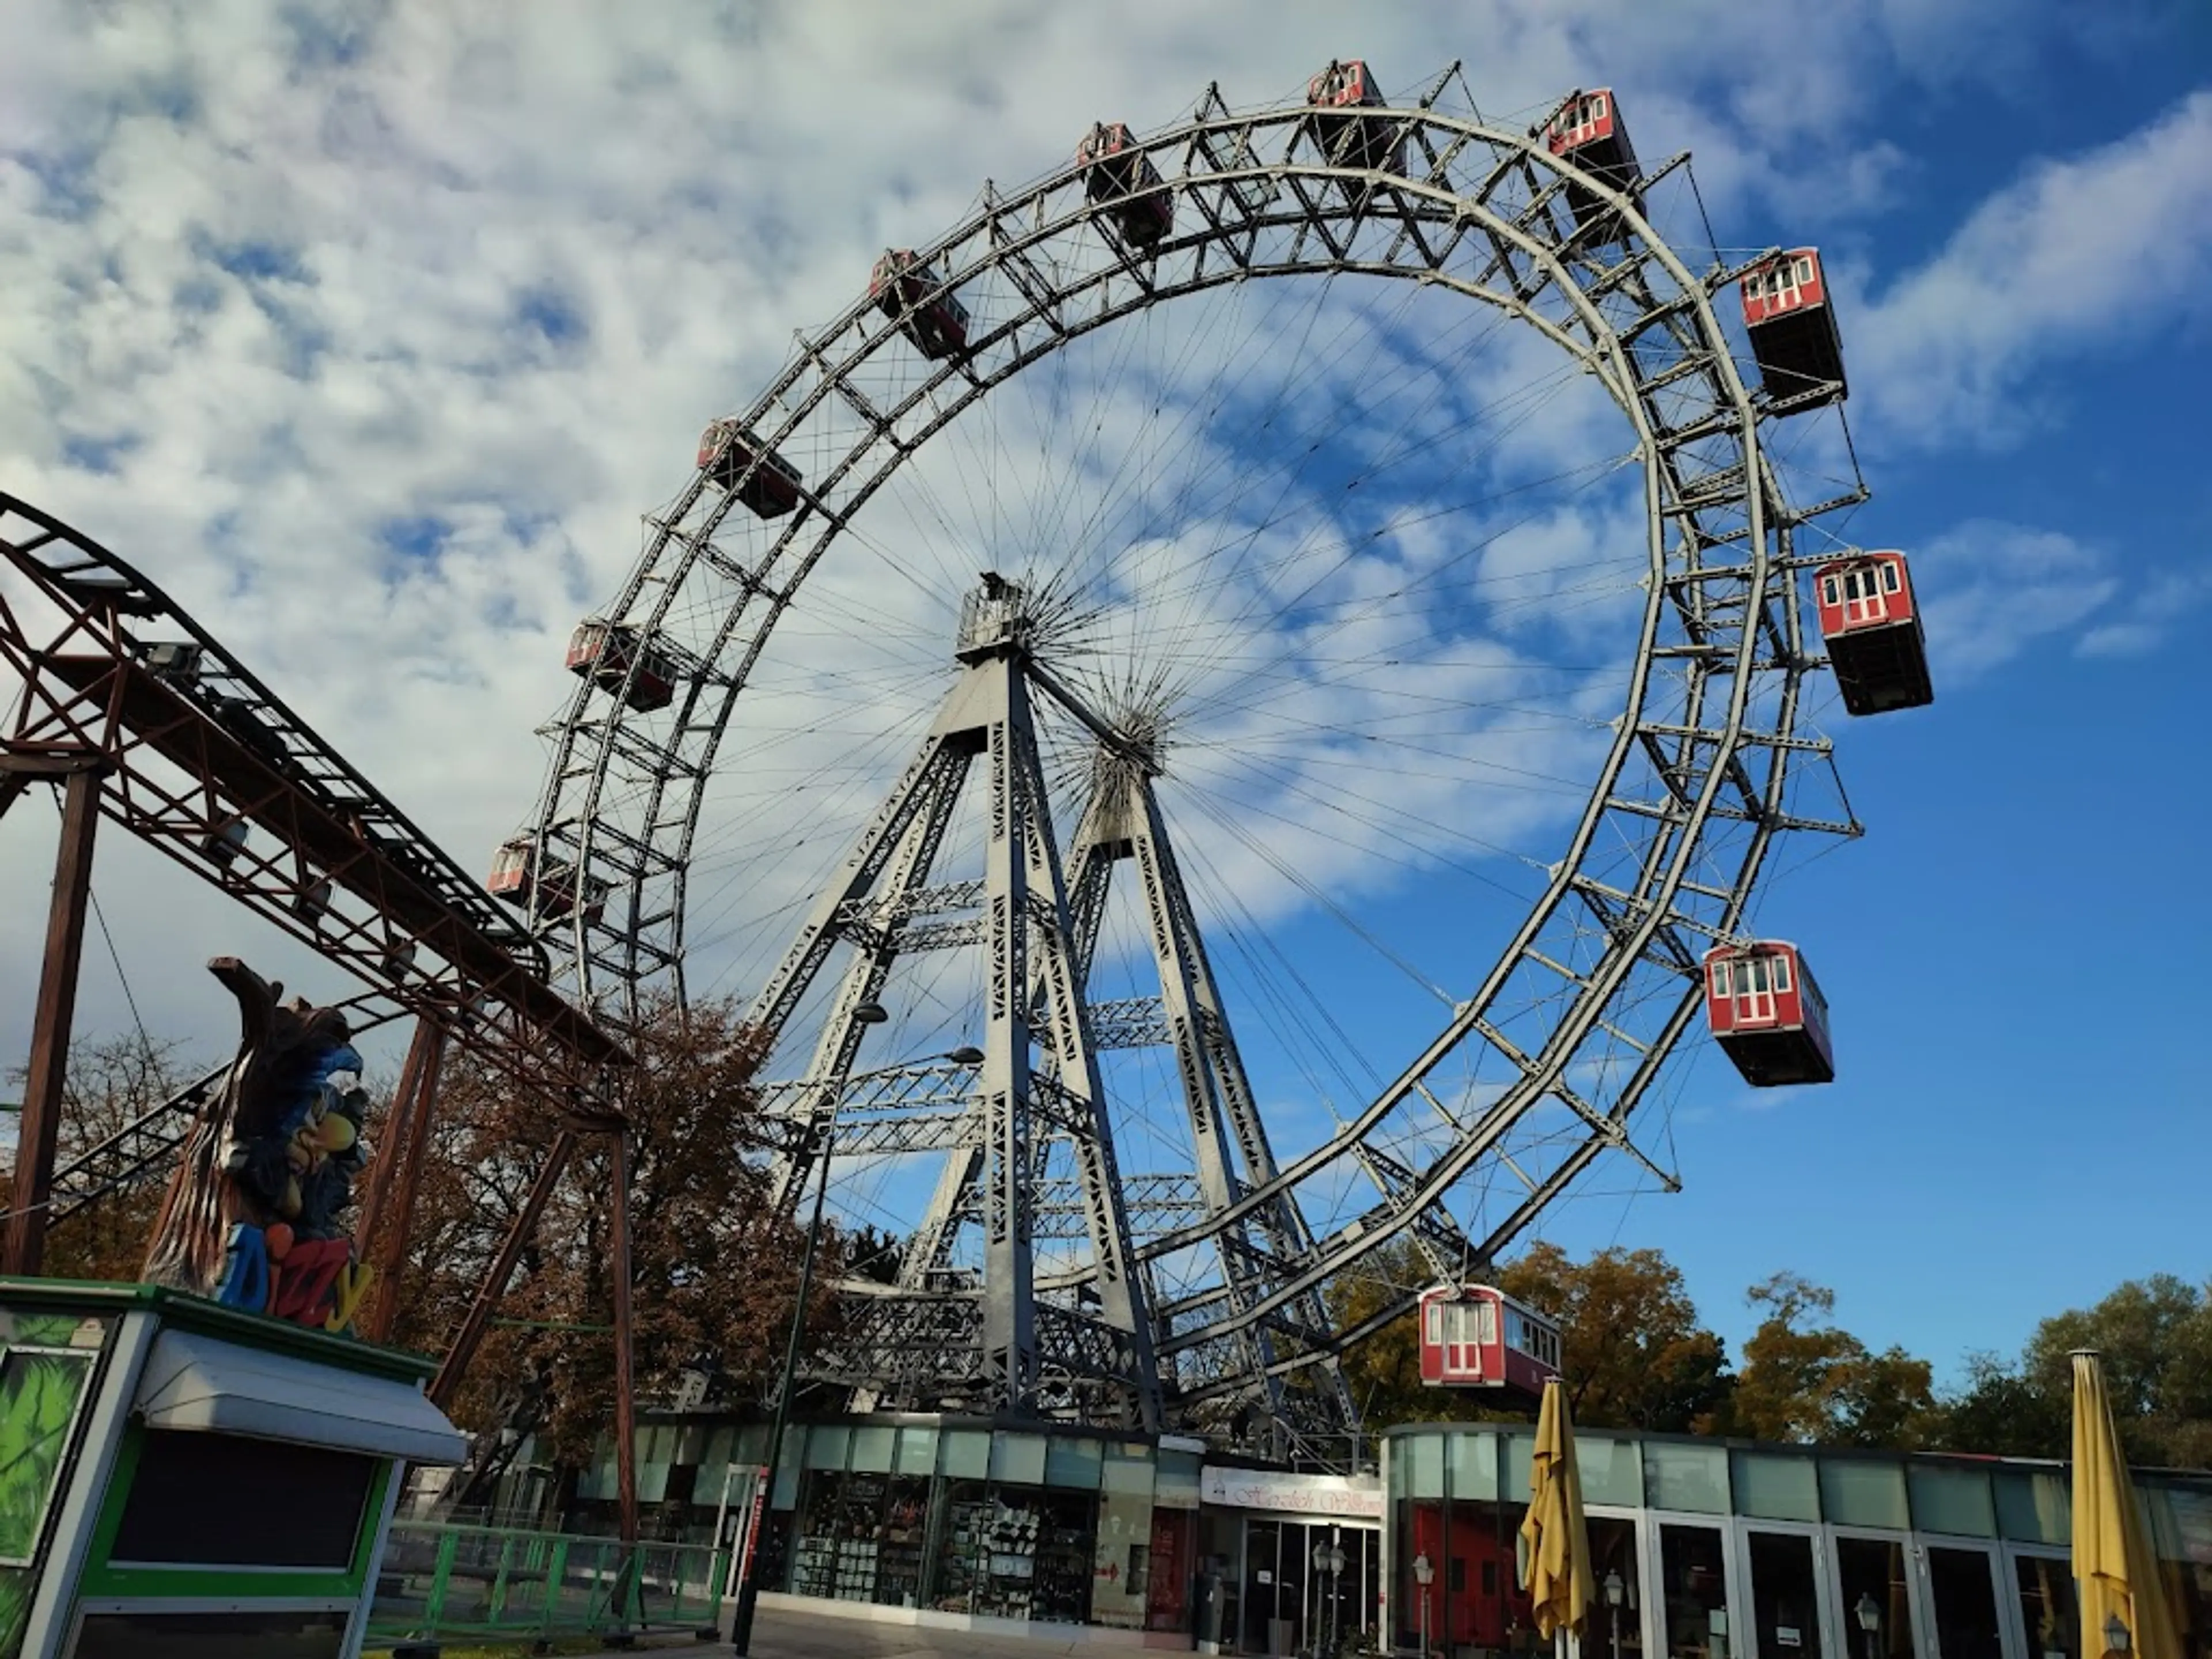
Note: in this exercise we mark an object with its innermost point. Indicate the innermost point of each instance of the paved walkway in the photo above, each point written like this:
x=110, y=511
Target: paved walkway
x=781, y=1635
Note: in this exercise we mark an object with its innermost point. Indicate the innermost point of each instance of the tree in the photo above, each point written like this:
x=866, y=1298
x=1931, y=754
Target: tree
x=111, y=1082
x=1632, y=1349
x=2155, y=1336
x=1815, y=1381
x=714, y=1271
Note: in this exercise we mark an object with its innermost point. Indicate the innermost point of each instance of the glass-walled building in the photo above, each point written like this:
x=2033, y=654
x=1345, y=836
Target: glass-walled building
x=988, y=1525
x=1709, y=1549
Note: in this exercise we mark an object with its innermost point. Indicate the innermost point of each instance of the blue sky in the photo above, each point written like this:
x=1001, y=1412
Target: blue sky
x=370, y=333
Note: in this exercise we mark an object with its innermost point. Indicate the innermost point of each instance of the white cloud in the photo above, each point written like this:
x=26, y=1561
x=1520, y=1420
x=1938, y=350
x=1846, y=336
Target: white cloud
x=1993, y=591
x=2106, y=248
x=370, y=338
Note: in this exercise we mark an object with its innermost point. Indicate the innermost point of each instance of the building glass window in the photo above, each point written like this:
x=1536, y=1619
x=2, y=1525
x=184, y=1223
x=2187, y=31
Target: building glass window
x=1955, y=1501
x=872, y=1446
x=827, y=1446
x=962, y=1532
x=966, y=1454
x=917, y=1451
x=2033, y=1507
x=1612, y=1472
x=1785, y=1594
x=1615, y=1629
x=1962, y=1594
x=1864, y=1491
x=1019, y=1458
x=1071, y=1464
x=1875, y=1568
x=1425, y=1465
x=1472, y=1465
x=1678, y=1477
x=1693, y=1583
x=2048, y=1611
x=1775, y=1486
x=901, y=1530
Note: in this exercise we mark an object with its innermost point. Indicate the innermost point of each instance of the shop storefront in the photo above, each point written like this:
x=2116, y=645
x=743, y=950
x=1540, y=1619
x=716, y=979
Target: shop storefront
x=1299, y=1558
x=1715, y=1550
x=944, y=1520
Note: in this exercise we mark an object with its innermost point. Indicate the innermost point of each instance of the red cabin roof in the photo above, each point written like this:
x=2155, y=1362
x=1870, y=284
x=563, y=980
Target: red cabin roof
x=1343, y=84
x=1766, y=1012
x=1788, y=281
x=1477, y=1336
x=728, y=454
x=1793, y=331
x=1587, y=117
x=601, y=652
x=910, y=293
x=1120, y=174
x=1871, y=624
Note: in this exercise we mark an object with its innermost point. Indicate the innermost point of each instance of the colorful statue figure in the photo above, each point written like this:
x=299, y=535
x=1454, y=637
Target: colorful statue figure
x=253, y=1214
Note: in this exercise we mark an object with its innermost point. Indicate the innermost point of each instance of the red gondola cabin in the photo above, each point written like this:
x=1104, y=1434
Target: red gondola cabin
x=515, y=876
x=908, y=293
x=1766, y=1011
x=1587, y=130
x=1347, y=139
x=1872, y=627
x=1117, y=173
x=601, y=652
x=1475, y=1337
x=1793, y=331
x=726, y=454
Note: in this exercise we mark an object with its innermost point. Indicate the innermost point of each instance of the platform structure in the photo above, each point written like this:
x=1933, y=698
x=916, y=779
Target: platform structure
x=176, y=1476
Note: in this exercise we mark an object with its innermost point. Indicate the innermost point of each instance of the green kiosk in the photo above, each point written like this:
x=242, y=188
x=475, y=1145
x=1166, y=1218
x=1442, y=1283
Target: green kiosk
x=182, y=1478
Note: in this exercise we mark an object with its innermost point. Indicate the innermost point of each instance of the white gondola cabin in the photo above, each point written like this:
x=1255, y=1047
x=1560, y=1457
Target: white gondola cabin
x=1348, y=138
x=909, y=293
x=1872, y=628
x=515, y=876
x=726, y=454
x=601, y=652
x=1587, y=130
x=1475, y=1336
x=1767, y=1013
x=1117, y=173
x=1793, y=331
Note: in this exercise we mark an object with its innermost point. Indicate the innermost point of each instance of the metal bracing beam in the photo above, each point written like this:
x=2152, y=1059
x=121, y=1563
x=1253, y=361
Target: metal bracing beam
x=839, y=1043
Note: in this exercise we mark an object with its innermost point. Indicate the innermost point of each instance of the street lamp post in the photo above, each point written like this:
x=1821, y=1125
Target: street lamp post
x=1615, y=1591
x=1329, y=1562
x=1869, y=1618
x=741, y=1626
x=1424, y=1575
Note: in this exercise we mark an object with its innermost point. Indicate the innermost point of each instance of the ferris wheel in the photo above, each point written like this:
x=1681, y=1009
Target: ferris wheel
x=1217, y=711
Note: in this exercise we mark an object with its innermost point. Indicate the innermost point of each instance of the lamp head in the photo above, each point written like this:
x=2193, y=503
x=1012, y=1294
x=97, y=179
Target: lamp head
x=1870, y=1615
x=966, y=1055
x=1614, y=1589
x=2117, y=1639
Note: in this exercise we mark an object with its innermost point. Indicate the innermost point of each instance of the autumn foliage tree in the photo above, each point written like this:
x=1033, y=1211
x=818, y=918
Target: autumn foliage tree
x=714, y=1270
x=112, y=1081
x=1805, y=1378
x=1631, y=1348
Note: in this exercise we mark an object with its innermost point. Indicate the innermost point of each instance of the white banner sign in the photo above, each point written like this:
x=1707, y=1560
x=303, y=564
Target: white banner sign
x=1298, y=1494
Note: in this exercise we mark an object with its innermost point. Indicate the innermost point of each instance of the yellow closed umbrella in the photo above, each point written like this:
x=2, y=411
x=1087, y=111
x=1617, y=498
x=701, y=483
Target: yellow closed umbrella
x=1556, y=1575
x=2114, y=1565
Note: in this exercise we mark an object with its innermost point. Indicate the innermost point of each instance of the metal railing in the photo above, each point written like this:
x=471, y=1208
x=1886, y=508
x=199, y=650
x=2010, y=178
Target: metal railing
x=439, y=1579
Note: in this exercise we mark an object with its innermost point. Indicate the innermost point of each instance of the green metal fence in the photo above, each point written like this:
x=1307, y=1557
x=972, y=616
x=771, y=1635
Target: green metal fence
x=443, y=1580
